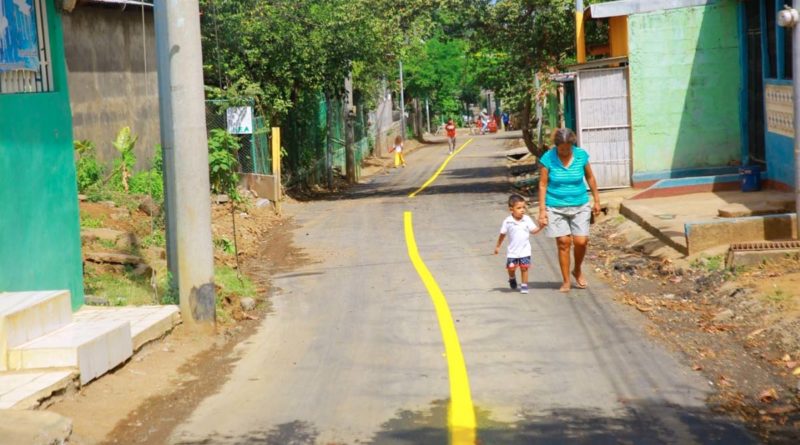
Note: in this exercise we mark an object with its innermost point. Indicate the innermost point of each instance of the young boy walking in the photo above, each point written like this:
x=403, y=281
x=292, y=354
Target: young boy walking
x=518, y=227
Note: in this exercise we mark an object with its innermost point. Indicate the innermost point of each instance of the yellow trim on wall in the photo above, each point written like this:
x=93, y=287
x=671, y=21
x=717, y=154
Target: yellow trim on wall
x=618, y=36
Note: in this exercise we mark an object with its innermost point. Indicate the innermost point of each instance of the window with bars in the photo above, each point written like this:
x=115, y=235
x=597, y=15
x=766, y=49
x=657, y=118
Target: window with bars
x=25, y=64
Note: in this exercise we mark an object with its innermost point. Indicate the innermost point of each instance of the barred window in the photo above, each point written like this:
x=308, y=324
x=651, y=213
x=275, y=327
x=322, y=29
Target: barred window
x=25, y=65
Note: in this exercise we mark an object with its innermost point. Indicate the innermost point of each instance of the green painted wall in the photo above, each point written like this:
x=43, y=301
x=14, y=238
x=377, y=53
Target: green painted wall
x=685, y=77
x=40, y=245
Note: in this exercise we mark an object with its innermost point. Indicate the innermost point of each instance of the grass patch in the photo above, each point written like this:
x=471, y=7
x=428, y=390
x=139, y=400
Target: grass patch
x=121, y=289
x=710, y=264
x=231, y=285
x=90, y=223
x=778, y=296
x=155, y=239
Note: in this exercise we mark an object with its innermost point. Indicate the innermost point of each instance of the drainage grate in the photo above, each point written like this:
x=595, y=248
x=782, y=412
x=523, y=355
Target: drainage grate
x=765, y=245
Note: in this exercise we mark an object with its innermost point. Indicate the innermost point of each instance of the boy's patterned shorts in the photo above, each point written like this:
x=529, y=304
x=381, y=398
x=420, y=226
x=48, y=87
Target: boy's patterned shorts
x=523, y=263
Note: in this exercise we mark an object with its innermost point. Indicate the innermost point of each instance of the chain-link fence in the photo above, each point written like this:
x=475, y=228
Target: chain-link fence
x=254, y=148
x=305, y=139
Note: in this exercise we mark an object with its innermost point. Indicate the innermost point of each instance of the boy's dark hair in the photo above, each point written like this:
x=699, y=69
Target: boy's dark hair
x=515, y=199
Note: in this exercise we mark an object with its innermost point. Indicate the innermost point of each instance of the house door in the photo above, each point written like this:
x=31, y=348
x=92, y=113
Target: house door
x=754, y=137
x=603, y=124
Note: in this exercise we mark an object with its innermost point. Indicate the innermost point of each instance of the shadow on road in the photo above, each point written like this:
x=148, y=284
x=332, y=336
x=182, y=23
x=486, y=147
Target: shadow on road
x=634, y=422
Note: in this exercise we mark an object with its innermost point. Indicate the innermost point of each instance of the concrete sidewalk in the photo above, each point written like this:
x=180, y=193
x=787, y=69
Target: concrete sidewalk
x=696, y=222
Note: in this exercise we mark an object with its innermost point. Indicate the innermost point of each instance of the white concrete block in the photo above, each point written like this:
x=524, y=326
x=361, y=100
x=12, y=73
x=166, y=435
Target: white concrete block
x=24, y=390
x=25, y=316
x=93, y=347
x=147, y=322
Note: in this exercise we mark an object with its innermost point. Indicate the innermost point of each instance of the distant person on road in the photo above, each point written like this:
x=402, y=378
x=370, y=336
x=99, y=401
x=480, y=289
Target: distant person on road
x=564, y=208
x=506, y=121
x=450, y=128
x=517, y=227
x=397, y=149
x=484, y=117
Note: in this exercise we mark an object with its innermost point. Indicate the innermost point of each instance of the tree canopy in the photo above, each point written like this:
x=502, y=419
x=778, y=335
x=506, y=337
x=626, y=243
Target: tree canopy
x=279, y=49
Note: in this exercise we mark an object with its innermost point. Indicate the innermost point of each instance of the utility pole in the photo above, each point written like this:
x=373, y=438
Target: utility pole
x=185, y=145
x=428, y=114
x=402, y=104
x=790, y=18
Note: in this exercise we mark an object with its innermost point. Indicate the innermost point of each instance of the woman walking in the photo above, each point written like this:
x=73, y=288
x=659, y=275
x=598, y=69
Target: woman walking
x=564, y=207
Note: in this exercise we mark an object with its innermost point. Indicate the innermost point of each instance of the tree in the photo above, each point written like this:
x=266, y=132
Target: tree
x=519, y=40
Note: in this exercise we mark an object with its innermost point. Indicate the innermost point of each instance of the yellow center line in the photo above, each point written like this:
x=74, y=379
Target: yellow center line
x=461, y=412
x=441, y=168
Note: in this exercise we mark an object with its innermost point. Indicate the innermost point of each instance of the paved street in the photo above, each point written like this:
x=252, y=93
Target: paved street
x=354, y=351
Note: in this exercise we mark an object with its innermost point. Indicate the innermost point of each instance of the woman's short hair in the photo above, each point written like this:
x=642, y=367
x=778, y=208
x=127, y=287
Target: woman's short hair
x=564, y=136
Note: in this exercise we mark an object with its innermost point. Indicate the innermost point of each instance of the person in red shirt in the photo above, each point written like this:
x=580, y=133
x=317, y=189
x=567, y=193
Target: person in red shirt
x=450, y=128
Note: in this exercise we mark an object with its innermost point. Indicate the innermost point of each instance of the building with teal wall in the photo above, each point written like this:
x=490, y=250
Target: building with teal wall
x=684, y=84
x=684, y=89
x=39, y=223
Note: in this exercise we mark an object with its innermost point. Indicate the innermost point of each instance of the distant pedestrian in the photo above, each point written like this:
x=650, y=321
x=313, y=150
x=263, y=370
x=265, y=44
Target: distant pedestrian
x=397, y=149
x=564, y=207
x=518, y=227
x=451, y=136
x=506, y=121
x=484, y=117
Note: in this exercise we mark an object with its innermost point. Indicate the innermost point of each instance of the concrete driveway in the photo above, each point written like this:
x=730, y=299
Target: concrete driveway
x=355, y=351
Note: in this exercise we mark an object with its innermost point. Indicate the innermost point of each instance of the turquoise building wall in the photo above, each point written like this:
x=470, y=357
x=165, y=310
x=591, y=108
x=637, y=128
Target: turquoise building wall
x=685, y=80
x=40, y=245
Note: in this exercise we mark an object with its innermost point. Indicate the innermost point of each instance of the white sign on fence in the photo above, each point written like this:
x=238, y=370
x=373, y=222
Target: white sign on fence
x=240, y=120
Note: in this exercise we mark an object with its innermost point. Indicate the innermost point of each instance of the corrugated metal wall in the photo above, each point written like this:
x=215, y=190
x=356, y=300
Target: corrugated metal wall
x=604, y=124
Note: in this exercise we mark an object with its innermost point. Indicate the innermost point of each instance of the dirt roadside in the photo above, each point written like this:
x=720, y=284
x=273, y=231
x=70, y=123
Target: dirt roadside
x=740, y=329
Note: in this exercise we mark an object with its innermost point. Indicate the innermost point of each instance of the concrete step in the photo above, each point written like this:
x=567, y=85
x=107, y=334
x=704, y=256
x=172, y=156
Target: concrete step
x=25, y=389
x=25, y=316
x=148, y=323
x=93, y=347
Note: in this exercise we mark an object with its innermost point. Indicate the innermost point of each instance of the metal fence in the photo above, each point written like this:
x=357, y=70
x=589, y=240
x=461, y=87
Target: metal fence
x=254, y=149
x=305, y=138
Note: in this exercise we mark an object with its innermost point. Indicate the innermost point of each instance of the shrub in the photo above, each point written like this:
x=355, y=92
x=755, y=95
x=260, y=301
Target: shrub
x=150, y=182
x=87, y=168
x=125, y=142
x=222, y=162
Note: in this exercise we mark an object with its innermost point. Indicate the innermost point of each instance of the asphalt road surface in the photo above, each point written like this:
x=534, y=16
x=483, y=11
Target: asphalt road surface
x=364, y=348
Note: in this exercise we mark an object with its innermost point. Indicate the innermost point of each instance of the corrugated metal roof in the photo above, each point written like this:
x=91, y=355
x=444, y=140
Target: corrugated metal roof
x=123, y=3
x=628, y=7
x=600, y=63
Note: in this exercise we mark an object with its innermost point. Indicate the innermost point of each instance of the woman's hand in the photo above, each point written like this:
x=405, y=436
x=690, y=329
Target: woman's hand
x=596, y=208
x=543, y=218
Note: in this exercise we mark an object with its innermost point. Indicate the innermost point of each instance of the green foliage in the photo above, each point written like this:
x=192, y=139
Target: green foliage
x=222, y=162
x=90, y=223
x=88, y=168
x=225, y=245
x=155, y=239
x=125, y=142
x=230, y=284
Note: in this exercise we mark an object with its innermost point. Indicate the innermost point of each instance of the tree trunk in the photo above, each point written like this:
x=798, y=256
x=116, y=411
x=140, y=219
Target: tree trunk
x=528, y=126
x=328, y=142
x=418, y=132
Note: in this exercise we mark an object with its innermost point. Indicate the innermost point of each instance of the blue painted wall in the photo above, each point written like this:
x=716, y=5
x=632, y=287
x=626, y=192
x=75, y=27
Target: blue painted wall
x=780, y=159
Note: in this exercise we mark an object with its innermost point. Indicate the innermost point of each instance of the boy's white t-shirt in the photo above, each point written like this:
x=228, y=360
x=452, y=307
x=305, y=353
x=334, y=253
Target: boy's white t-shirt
x=518, y=233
